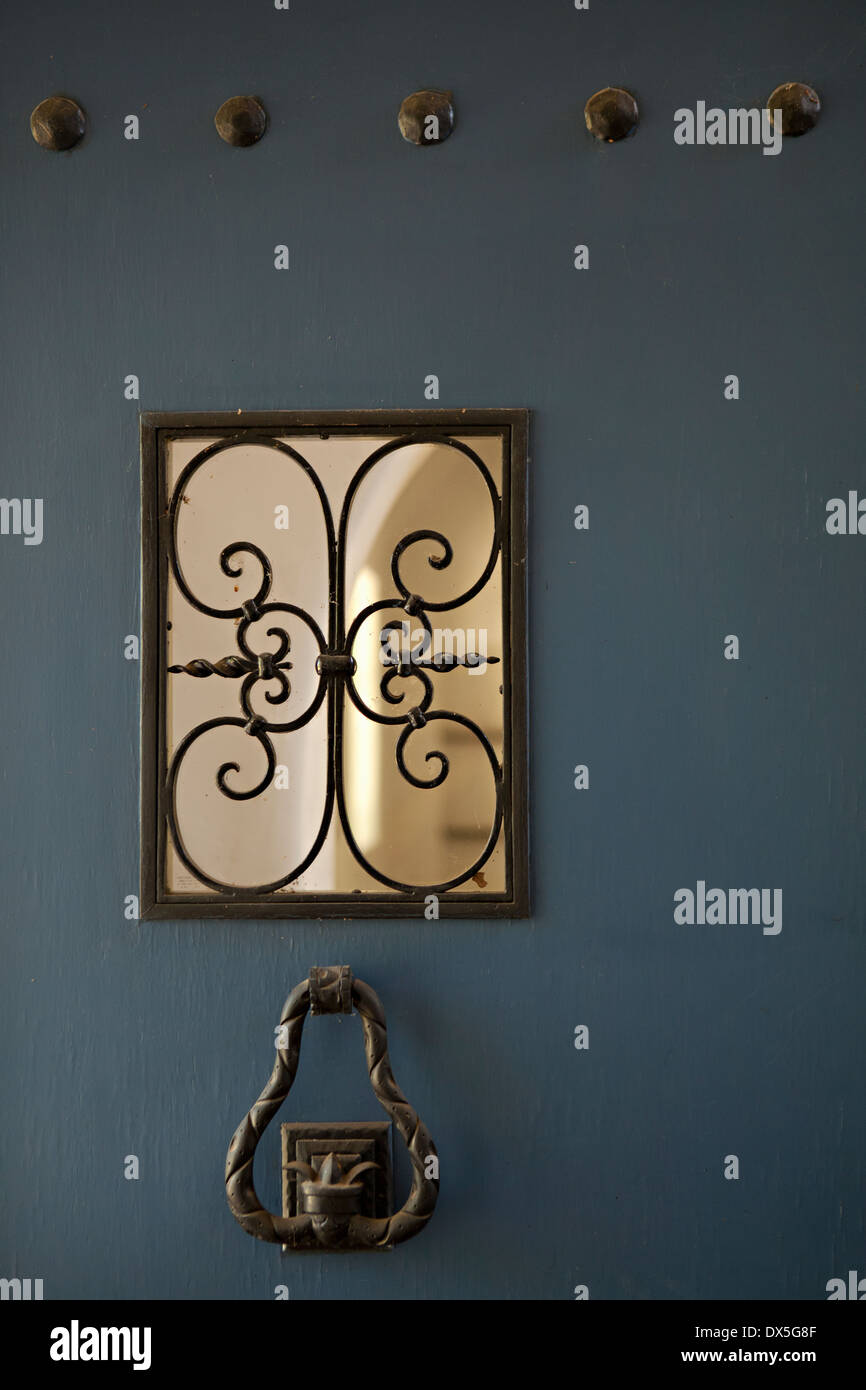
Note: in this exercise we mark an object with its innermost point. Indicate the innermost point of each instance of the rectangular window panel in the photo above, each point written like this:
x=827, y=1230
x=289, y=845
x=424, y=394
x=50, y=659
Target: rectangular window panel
x=333, y=678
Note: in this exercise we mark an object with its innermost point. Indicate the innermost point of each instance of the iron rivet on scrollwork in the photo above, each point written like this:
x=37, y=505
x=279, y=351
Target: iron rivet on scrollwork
x=330, y=1219
x=415, y=717
x=335, y=664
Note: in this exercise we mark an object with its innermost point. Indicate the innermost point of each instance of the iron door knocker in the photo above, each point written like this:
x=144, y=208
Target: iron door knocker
x=336, y=1178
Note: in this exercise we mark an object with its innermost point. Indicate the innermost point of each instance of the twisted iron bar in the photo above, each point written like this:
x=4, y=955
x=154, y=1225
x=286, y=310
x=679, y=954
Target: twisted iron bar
x=227, y=666
x=306, y=1232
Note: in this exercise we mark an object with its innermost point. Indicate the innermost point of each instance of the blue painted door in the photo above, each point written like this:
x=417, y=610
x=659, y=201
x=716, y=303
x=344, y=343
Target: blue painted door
x=590, y=1074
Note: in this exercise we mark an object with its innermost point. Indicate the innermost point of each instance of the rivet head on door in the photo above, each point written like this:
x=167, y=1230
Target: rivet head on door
x=611, y=114
x=800, y=106
x=57, y=123
x=241, y=121
x=426, y=118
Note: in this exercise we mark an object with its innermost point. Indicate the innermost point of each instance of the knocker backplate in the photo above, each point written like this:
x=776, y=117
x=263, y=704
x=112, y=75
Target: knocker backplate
x=334, y=664
x=356, y=1142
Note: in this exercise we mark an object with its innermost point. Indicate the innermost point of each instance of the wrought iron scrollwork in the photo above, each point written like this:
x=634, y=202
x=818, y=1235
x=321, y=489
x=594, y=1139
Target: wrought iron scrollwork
x=336, y=666
x=331, y=1218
